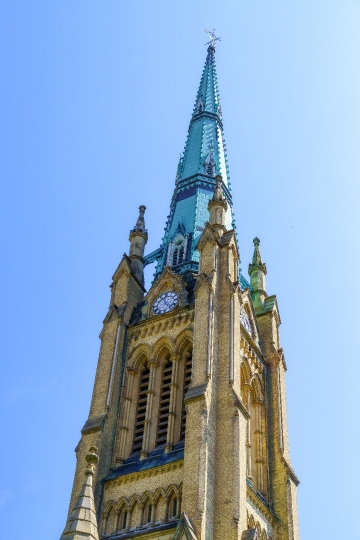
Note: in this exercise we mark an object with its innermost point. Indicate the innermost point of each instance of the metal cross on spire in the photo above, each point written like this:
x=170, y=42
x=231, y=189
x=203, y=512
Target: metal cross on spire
x=213, y=37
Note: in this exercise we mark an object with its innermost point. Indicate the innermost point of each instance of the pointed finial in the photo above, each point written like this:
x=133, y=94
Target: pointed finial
x=140, y=224
x=257, y=273
x=256, y=260
x=82, y=522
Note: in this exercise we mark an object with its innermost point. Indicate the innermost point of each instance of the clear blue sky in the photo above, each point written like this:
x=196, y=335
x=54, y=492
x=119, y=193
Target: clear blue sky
x=95, y=103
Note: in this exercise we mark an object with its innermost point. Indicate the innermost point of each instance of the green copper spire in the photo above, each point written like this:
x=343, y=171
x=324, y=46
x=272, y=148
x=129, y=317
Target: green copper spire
x=203, y=159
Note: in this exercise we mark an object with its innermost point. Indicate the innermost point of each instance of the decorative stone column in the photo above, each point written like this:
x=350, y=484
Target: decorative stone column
x=167, y=501
x=141, y=518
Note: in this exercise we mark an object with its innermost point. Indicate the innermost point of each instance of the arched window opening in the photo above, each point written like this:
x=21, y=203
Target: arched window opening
x=164, y=404
x=175, y=257
x=147, y=513
x=122, y=519
x=110, y=522
x=187, y=381
x=173, y=506
x=141, y=410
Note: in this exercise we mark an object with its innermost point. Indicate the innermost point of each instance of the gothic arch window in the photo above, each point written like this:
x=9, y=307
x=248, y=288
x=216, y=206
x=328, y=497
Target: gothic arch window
x=110, y=521
x=187, y=381
x=177, y=250
x=174, y=506
x=164, y=402
x=122, y=519
x=148, y=511
x=141, y=410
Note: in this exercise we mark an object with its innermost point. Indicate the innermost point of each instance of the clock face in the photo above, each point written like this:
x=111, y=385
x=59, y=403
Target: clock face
x=166, y=302
x=244, y=319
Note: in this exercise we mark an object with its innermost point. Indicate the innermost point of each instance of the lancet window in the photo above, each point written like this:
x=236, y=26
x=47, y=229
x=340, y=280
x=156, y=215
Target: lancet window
x=164, y=403
x=148, y=511
x=187, y=381
x=174, y=504
x=122, y=518
x=141, y=410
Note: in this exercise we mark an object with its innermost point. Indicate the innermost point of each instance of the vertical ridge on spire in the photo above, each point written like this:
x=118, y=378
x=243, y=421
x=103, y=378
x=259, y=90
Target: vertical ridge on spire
x=81, y=523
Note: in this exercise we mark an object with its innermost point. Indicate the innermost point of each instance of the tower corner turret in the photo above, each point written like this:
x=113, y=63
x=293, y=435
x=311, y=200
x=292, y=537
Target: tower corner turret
x=138, y=238
x=257, y=273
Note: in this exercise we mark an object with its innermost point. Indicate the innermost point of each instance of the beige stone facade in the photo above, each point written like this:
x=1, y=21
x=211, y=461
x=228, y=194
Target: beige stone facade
x=188, y=409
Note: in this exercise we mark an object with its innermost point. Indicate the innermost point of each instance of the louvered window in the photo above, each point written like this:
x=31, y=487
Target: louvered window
x=177, y=250
x=141, y=410
x=164, y=404
x=187, y=381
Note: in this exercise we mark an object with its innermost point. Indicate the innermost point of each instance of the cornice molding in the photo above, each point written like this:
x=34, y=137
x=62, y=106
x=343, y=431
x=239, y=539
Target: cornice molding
x=148, y=473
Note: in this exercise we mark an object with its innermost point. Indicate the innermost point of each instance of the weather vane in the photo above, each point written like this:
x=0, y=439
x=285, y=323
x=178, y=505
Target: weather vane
x=213, y=38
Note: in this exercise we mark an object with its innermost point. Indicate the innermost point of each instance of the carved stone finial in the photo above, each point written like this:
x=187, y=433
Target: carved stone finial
x=218, y=193
x=140, y=224
x=91, y=459
x=256, y=260
x=257, y=273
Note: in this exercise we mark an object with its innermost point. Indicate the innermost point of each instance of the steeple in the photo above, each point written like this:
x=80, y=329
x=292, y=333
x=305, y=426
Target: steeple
x=257, y=273
x=203, y=159
x=81, y=523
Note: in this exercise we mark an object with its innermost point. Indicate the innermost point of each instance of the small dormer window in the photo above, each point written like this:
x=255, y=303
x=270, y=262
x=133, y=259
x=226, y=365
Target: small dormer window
x=177, y=250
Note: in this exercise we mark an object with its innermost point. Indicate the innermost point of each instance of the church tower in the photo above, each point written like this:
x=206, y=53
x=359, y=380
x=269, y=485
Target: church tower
x=187, y=431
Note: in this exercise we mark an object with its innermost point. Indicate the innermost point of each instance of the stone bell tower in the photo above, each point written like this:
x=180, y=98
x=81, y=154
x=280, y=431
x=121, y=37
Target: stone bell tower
x=188, y=414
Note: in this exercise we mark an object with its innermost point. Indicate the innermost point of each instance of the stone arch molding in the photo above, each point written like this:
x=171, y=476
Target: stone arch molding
x=142, y=353
x=252, y=524
x=129, y=503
